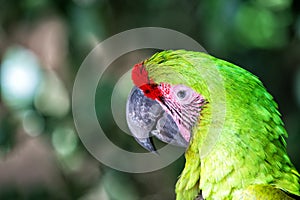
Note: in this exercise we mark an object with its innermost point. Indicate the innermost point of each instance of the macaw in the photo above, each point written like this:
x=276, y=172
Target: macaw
x=224, y=117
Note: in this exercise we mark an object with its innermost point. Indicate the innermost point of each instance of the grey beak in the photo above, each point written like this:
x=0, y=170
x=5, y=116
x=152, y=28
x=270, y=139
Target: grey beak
x=146, y=118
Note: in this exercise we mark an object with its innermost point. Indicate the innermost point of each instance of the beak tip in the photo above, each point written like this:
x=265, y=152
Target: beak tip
x=147, y=144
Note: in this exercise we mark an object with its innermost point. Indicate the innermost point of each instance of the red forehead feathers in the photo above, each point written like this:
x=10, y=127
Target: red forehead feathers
x=139, y=75
x=140, y=78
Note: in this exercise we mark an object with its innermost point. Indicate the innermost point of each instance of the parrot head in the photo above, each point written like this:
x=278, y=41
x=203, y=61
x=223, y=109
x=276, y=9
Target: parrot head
x=163, y=105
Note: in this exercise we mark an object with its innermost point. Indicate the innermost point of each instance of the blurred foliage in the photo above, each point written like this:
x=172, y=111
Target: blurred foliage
x=42, y=45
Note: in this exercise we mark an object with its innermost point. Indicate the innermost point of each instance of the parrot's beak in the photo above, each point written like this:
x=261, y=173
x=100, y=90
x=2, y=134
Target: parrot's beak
x=146, y=118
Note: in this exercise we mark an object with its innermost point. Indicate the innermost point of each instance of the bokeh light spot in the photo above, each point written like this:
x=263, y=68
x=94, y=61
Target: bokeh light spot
x=64, y=140
x=260, y=27
x=52, y=97
x=20, y=77
x=275, y=4
x=33, y=123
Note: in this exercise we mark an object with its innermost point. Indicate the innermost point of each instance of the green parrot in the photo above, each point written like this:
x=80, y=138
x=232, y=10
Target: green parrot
x=223, y=115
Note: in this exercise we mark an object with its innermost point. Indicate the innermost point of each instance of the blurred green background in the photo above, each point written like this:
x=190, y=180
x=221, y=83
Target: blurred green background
x=42, y=45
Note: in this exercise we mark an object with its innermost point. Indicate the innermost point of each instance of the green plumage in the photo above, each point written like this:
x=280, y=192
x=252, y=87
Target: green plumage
x=237, y=150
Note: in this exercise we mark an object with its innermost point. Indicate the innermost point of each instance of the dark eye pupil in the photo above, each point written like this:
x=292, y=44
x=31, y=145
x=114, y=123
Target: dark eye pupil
x=181, y=94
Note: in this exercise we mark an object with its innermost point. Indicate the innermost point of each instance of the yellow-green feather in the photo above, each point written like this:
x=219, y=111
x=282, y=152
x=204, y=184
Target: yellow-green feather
x=248, y=155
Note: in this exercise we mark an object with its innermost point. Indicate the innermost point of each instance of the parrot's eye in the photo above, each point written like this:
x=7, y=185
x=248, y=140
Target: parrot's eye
x=183, y=93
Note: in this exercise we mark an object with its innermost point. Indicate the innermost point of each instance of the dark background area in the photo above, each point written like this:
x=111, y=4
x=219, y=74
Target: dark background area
x=42, y=45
